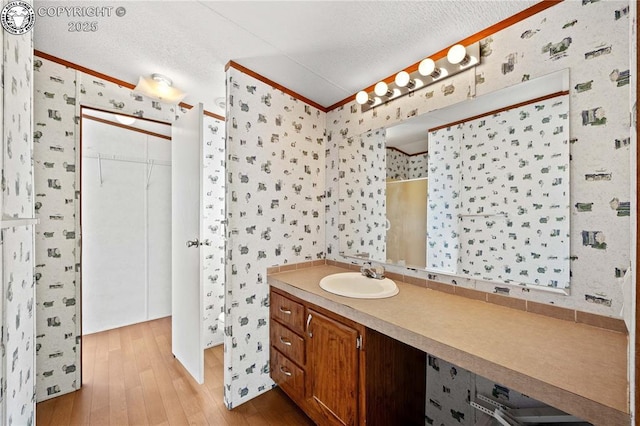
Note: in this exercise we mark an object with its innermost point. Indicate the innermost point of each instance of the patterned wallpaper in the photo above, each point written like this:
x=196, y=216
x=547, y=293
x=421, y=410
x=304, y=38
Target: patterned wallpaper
x=362, y=196
x=401, y=166
x=17, y=376
x=59, y=92
x=275, y=197
x=499, y=196
x=17, y=373
x=591, y=39
x=276, y=180
x=213, y=188
x=450, y=389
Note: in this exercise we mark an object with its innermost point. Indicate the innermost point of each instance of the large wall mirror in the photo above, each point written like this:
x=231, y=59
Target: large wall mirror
x=479, y=189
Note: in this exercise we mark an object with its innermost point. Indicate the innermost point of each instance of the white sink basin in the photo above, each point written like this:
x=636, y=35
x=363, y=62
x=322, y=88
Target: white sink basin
x=354, y=284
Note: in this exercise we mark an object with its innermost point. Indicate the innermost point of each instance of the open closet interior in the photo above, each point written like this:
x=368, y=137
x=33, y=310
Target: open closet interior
x=125, y=220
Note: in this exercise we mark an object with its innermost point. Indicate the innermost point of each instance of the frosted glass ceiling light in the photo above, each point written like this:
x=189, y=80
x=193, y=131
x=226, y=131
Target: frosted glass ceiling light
x=363, y=98
x=458, y=55
x=125, y=119
x=428, y=68
x=382, y=89
x=158, y=86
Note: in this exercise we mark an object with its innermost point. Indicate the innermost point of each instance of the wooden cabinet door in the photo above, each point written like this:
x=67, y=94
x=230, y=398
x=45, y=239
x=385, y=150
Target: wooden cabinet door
x=333, y=367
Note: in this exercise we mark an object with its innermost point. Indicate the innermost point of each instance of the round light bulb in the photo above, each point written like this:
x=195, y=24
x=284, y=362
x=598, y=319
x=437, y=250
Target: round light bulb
x=426, y=67
x=381, y=88
x=362, y=97
x=456, y=54
x=402, y=78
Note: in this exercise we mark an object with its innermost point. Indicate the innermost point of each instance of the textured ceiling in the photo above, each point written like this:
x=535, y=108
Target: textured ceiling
x=323, y=50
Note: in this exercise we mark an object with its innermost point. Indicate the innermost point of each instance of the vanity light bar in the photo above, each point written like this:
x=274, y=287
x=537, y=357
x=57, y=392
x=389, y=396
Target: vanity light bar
x=459, y=58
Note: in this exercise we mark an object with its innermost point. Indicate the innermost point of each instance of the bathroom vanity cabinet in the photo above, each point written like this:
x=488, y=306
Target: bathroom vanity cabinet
x=338, y=371
x=575, y=367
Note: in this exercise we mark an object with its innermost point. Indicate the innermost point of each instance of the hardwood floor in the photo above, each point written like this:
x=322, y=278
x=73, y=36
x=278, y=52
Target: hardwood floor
x=131, y=378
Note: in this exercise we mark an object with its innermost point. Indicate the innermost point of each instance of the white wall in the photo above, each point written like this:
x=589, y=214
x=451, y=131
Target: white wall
x=126, y=225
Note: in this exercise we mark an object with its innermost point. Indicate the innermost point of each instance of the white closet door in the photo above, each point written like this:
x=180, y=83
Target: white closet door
x=186, y=275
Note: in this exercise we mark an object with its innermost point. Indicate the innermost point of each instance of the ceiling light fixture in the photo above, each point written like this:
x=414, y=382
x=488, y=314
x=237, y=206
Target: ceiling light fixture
x=458, y=55
x=458, y=59
x=362, y=98
x=160, y=87
x=125, y=119
x=382, y=89
x=403, y=79
x=428, y=67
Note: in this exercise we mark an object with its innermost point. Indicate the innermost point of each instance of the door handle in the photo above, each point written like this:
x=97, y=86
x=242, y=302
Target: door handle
x=194, y=243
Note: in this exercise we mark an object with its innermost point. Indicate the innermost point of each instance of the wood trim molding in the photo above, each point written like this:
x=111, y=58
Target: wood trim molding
x=393, y=148
x=110, y=111
x=106, y=77
x=544, y=4
x=508, y=107
x=536, y=8
x=85, y=70
x=124, y=126
x=245, y=70
x=214, y=115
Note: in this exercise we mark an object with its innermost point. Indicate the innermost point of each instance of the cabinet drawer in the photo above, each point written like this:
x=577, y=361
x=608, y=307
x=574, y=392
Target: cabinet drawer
x=289, y=343
x=287, y=312
x=287, y=375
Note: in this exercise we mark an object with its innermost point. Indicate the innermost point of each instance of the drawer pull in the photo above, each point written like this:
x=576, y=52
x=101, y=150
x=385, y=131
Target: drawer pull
x=285, y=311
x=285, y=371
x=285, y=341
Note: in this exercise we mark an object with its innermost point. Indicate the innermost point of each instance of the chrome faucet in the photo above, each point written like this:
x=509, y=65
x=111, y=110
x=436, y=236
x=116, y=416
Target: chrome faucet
x=371, y=271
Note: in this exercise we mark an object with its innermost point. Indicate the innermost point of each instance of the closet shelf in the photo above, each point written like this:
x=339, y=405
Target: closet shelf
x=11, y=222
x=128, y=159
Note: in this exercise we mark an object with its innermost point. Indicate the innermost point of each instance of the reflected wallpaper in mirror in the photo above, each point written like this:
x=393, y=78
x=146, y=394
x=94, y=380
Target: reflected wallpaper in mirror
x=512, y=157
x=362, y=196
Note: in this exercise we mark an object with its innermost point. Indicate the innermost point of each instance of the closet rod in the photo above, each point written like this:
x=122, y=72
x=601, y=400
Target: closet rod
x=128, y=159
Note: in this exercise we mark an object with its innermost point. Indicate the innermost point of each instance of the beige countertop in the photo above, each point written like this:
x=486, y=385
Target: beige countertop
x=574, y=367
